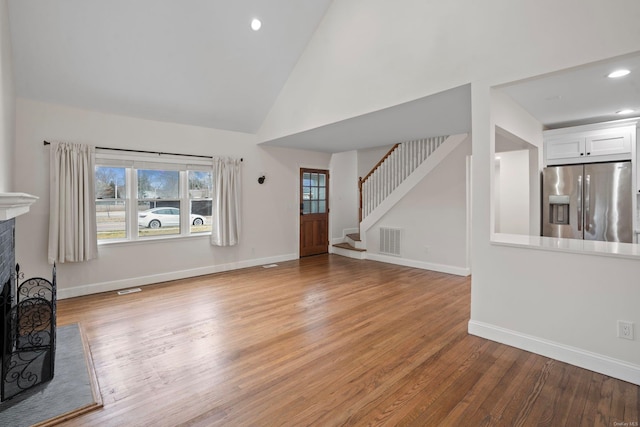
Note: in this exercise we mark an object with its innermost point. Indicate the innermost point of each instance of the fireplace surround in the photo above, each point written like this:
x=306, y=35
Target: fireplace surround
x=27, y=311
x=7, y=287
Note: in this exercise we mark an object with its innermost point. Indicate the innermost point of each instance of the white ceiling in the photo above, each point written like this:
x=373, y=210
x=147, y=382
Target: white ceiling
x=198, y=62
x=445, y=113
x=188, y=61
x=581, y=95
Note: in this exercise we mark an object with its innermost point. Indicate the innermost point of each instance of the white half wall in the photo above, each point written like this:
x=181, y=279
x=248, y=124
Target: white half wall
x=269, y=218
x=562, y=305
x=432, y=219
x=7, y=105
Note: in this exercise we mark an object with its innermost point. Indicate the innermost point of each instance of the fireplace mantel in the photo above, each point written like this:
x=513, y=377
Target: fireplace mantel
x=15, y=204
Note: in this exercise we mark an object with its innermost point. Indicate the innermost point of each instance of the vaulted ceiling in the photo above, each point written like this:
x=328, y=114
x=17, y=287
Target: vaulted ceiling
x=198, y=62
x=189, y=61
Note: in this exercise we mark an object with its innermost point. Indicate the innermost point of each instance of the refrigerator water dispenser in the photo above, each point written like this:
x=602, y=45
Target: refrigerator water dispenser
x=559, y=209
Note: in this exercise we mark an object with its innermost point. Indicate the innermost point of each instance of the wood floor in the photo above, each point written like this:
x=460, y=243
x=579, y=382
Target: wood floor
x=324, y=341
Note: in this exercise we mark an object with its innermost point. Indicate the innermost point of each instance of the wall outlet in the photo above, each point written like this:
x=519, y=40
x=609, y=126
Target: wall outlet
x=625, y=329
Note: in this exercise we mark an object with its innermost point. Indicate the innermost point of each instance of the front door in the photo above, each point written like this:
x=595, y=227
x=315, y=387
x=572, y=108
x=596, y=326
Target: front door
x=314, y=212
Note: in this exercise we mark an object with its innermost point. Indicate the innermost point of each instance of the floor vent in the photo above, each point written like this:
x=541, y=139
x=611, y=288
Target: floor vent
x=129, y=291
x=390, y=241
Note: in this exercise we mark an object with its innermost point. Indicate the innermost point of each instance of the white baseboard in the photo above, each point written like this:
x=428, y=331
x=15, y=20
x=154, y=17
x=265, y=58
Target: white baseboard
x=575, y=356
x=165, y=277
x=442, y=268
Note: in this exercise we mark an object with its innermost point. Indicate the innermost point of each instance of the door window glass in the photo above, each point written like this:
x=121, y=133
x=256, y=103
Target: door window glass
x=314, y=193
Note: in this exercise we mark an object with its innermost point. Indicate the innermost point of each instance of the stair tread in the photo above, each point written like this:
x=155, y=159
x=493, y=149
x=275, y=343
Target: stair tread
x=349, y=247
x=354, y=236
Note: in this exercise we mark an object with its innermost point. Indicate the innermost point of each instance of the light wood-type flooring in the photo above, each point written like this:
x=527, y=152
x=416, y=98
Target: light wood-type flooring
x=324, y=341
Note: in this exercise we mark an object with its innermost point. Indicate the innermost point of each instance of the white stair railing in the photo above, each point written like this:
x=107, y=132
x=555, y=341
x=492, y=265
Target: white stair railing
x=393, y=169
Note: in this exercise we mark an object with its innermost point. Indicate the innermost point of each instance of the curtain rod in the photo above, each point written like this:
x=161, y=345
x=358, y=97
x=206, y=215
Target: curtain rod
x=150, y=152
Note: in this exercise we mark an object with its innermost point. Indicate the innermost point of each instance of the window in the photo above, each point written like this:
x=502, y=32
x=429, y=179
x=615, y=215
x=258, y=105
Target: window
x=111, y=202
x=158, y=190
x=138, y=199
x=200, y=200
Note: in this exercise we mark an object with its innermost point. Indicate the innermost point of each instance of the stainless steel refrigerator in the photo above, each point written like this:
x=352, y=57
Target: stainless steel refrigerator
x=590, y=201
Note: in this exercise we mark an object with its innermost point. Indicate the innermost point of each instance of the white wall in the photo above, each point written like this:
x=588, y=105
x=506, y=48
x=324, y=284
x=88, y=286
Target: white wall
x=512, y=192
x=371, y=55
x=432, y=218
x=343, y=195
x=370, y=157
x=7, y=104
x=563, y=305
x=270, y=211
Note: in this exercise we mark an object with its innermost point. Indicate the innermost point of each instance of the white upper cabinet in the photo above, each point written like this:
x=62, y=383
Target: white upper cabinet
x=602, y=142
x=564, y=147
x=613, y=141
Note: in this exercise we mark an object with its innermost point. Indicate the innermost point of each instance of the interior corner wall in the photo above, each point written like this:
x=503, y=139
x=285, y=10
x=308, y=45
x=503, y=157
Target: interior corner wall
x=512, y=210
x=343, y=195
x=432, y=218
x=7, y=103
x=270, y=214
x=535, y=186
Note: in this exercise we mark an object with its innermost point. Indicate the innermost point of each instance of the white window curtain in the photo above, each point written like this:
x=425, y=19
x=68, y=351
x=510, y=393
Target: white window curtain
x=72, y=217
x=226, y=202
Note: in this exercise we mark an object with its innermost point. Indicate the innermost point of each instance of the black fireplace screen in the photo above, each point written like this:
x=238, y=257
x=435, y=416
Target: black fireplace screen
x=28, y=353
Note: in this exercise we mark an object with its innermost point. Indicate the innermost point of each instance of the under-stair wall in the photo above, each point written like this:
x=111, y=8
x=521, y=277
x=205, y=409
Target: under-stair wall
x=431, y=218
x=395, y=167
x=402, y=169
x=427, y=214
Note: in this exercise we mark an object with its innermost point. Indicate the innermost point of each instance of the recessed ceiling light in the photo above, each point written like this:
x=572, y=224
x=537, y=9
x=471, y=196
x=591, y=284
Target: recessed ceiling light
x=255, y=24
x=625, y=111
x=618, y=73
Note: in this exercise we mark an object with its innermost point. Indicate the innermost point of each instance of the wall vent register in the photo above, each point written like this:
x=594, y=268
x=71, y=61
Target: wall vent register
x=390, y=241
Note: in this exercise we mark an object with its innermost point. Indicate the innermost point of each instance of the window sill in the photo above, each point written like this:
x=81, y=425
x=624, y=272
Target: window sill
x=144, y=240
x=585, y=247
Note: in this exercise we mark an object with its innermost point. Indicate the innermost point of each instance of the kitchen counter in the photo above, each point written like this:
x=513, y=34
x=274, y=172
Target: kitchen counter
x=613, y=249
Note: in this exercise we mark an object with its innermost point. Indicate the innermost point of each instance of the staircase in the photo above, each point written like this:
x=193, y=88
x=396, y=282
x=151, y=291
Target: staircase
x=401, y=169
x=392, y=170
x=352, y=247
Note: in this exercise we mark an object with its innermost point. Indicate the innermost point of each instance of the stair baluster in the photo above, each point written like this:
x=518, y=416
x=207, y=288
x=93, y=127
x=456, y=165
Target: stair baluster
x=399, y=162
